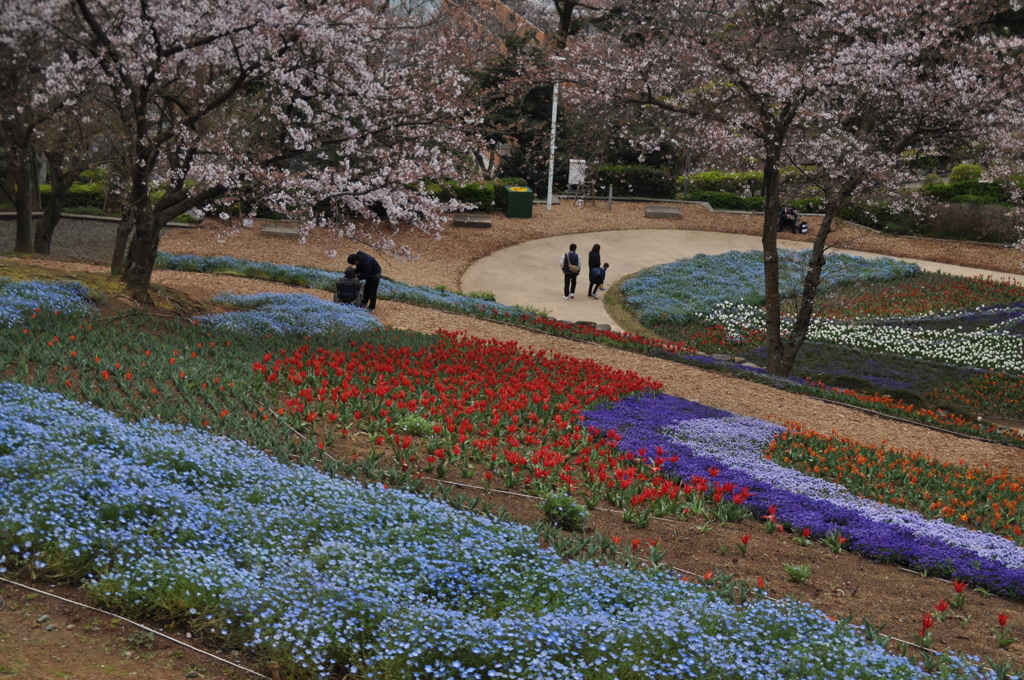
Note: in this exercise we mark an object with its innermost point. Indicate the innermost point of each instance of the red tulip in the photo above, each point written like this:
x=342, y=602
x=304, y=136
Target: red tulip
x=1003, y=618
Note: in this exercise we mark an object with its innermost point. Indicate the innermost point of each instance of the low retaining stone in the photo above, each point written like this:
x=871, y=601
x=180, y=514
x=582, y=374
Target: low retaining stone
x=472, y=221
x=664, y=212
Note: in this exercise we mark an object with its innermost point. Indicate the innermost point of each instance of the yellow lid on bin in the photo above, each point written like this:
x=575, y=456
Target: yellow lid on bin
x=518, y=189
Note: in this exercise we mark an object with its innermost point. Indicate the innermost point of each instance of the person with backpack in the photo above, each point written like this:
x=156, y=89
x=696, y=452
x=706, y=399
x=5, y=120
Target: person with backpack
x=348, y=290
x=570, y=264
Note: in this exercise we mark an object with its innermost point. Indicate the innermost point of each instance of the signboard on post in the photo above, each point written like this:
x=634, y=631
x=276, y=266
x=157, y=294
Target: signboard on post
x=577, y=171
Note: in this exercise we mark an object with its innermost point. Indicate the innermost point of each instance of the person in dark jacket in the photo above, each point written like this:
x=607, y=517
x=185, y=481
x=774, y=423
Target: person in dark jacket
x=594, y=270
x=570, y=264
x=348, y=289
x=787, y=219
x=368, y=270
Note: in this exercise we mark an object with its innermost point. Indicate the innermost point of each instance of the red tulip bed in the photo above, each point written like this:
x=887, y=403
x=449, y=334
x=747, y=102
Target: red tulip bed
x=974, y=496
x=489, y=404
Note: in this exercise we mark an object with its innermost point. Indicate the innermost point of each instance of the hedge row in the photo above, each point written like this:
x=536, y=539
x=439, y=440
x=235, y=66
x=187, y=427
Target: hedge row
x=637, y=180
x=486, y=196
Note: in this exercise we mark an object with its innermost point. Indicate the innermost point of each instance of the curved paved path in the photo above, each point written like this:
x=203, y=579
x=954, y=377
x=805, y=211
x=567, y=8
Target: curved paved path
x=528, y=273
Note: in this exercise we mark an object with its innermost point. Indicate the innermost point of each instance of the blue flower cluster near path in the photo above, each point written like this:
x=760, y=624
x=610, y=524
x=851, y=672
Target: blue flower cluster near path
x=324, y=279
x=176, y=523
x=19, y=300
x=289, y=314
x=681, y=291
x=703, y=438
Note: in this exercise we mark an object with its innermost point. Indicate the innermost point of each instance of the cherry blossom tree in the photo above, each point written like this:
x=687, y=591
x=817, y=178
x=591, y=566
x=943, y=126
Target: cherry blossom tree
x=334, y=112
x=36, y=125
x=844, y=90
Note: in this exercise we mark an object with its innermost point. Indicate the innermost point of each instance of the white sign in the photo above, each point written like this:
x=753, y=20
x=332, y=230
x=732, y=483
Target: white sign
x=577, y=171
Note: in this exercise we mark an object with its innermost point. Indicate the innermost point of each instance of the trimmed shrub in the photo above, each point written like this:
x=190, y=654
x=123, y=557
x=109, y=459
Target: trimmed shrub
x=721, y=200
x=965, y=172
x=971, y=191
x=480, y=195
x=78, y=195
x=637, y=180
x=731, y=182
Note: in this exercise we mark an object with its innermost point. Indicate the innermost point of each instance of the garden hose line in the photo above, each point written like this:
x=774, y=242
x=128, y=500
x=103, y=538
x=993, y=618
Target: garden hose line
x=136, y=624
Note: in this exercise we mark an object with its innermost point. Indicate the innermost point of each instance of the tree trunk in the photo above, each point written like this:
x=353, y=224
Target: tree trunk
x=23, y=205
x=46, y=224
x=124, y=230
x=138, y=267
x=769, y=242
x=811, y=282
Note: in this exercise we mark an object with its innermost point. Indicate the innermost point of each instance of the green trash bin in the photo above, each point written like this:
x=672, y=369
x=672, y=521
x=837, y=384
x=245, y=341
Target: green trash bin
x=518, y=202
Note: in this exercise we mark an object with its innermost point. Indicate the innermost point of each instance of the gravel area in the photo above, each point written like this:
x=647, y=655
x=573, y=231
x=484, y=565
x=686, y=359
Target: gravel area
x=78, y=238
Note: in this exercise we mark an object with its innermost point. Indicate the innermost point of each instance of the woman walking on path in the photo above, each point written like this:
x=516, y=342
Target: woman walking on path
x=594, y=270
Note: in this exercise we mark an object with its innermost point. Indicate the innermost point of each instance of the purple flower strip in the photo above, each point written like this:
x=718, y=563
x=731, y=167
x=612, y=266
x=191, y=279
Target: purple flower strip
x=646, y=422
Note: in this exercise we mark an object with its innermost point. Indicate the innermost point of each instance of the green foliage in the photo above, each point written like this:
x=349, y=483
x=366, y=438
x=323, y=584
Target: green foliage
x=94, y=175
x=525, y=121
x=727, y=201
x=480, y=195
x=965, y=186
x=972, y=191
x=729, y=182
x=78, y=195
x=965, y=172
x=482, y=295
x=563, y=512
x=413, y=424
x=637, y=180
x=798, y=573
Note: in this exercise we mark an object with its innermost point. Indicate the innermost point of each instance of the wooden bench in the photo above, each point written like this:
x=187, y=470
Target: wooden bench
x=664, y=212
x=472, y=221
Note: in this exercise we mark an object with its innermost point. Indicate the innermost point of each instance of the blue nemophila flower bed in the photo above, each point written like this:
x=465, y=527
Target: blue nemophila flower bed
x=176, y=523
x=20, y=300
x=297, y=314
x=703, y=438
x=323, y=279
x=680, y=292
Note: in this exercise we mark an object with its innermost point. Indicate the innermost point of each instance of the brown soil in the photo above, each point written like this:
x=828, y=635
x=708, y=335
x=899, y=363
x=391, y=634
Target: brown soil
x=85, y=645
